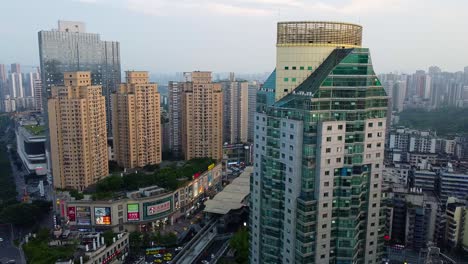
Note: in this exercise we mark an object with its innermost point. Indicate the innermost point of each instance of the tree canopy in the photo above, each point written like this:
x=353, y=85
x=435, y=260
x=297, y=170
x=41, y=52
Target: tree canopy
x=445, y=121
x=170, y=177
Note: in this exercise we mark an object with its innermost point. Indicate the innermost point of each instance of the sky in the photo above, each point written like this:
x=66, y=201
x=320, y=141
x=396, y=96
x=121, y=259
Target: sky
x=239, y=35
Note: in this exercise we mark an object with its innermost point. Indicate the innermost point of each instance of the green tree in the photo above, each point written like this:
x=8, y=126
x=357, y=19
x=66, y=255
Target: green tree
x=240, y=242
x=136, y=243
x=108, y=237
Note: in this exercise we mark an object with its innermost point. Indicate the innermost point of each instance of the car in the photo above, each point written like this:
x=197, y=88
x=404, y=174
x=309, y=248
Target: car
x=178, y=248
x=205, y=262
x=1, y=239
x=158, y=261
x=158, y=256
x=167, y=258
x=168, y=255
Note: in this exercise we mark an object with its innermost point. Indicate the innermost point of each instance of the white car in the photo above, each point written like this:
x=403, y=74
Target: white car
x=178, y=249
x=158, y=256
x=1, y=239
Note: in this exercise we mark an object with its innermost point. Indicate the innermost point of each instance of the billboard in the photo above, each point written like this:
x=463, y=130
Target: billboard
x=133, y=212
x=83, y=215
x=158, y=208
x=71, y=213
x=102, y=215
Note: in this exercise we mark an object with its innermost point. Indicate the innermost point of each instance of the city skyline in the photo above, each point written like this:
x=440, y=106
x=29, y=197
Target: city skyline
x=401, y=42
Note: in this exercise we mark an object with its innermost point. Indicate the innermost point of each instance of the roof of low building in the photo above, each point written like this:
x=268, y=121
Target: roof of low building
x=233, y=195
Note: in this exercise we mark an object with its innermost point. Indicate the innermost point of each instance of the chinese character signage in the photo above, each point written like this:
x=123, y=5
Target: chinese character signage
x=71, y=213
x=160, y=208
x=133, y=212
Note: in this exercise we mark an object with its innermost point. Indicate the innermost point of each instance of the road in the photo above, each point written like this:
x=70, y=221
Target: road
x=8, y=250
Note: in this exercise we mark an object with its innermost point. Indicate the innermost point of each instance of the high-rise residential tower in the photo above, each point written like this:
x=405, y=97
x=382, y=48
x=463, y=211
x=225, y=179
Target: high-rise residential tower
x=15, y=68
x=175, y=118
x=315, y=191
x=71, y=48
x=137, y=121
x=77, y=127
x=202, y=117
x=235, y=110
x=252, y=100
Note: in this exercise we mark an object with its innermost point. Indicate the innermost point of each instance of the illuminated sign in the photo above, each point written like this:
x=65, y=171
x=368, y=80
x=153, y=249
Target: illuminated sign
x=102, y=215
x=83, y=215
x=158, y=208
x=133, y=212
x=212, y=165
x=196, y=175
x=71, y=213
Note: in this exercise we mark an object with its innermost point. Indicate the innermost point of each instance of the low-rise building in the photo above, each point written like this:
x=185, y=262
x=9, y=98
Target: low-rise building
x=30, y=140
x=140, y=210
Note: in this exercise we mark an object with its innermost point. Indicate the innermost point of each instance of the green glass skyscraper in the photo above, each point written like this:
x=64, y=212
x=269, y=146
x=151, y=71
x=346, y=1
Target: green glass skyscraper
x=318, y=151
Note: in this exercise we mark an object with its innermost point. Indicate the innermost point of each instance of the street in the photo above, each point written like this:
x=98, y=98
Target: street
x=7, y=249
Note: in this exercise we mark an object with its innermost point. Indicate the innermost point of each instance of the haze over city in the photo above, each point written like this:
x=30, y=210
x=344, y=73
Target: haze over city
x=239, y=35
x=233, y=132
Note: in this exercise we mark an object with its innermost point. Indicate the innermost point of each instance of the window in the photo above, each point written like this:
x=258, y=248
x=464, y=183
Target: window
x=340, y=127
x=289, y=180
x=293, y=79
x=323, y=256
x=380, y=124
x=324, y=226
x=374, y=205
x=329, y=128
x=326, y=184
x=338, y=149
x=284, y=134
x=340, y=138
x=284, y=124
x=377, y=155
x=379, y=145
x=369, y=145
x=286, y=67
x=369, y=135
x=325, y=205
x=379, y=134
x=294, y=67
x=324, y=236
x=376, y=185
x=291, y=136
x=327, y=150
x=376, y=176
x=338, y=160
x=325, y=194
x=327, y=173
x=372, y=224
x=377, y=165
x=372, y=233
x=309, y=68
x=301, y=68
x=286, y=79
x=328, y=139
x=291, y=126
x=328, y=161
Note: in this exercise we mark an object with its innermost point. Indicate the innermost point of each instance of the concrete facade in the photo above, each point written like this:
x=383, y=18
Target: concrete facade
x=137, y=122
x=77, y=125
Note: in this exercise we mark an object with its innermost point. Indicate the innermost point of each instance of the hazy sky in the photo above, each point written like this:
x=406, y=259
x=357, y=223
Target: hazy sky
x=240, y=35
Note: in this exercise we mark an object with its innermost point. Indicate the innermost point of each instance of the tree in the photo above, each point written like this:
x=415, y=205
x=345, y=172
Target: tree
x=108, y=237
x=136, y=243
x=240, y=242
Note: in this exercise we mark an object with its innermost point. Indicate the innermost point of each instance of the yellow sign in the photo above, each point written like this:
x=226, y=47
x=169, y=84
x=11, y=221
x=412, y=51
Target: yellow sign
x=212, y=165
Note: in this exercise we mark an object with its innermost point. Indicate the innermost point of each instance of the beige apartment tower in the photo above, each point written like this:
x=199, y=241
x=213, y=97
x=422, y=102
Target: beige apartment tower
x=78, y=137
x=136, y=121
x=202, y=117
